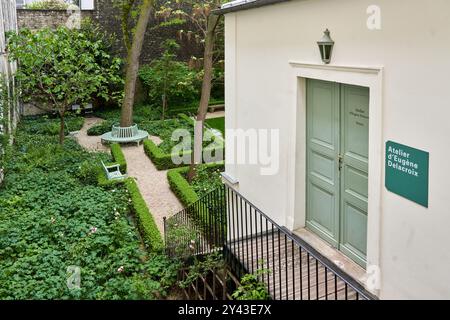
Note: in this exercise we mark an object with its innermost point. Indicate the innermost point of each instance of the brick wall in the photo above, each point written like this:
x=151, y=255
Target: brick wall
x=38, y=19
x=109, y=18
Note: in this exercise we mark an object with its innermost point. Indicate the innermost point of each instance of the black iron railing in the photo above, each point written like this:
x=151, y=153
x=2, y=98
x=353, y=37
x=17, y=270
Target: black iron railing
x=253, y=243
x=199, y=228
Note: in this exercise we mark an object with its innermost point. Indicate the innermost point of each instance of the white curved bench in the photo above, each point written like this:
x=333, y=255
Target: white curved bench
x=125, y=135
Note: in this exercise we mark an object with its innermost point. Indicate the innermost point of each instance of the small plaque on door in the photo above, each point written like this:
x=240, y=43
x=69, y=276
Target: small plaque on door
x=407, y=171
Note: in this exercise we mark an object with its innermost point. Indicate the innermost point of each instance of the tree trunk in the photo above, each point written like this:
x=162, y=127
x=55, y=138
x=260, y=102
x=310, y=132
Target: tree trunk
x=61, y=128
x=213, y=20
x=134, y=54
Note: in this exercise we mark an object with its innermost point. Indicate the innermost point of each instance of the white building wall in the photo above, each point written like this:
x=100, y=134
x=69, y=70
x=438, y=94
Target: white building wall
x=413, y=49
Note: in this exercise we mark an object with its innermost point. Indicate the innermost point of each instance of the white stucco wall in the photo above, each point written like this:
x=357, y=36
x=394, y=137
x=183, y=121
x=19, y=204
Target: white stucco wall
x=413, y=50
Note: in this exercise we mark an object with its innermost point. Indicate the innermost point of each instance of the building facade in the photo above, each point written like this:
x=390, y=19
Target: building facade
x=363, y=140
x=9, y=105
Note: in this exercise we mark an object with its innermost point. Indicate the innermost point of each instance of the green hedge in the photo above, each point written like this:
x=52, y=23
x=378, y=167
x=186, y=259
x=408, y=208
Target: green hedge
x=181, y=187
x=147, y=226
x=103, y=181
x=163, y=161
x=119, y=157
x=186, y=194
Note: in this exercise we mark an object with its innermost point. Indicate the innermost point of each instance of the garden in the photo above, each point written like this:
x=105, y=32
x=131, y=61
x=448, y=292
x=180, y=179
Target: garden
x=67, y=229
x=55, y=214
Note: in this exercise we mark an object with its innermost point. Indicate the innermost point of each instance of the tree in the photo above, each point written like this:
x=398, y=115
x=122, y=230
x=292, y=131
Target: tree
x=134, y=51
x=58, y=68
x=208, y=28
x=168, y=80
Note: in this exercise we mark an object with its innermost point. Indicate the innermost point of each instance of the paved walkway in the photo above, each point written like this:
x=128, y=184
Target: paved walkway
x=90, y=143
x=152, y=183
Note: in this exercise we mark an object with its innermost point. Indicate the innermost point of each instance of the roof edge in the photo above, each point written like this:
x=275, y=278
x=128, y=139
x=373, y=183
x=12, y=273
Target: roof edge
x=247, y=6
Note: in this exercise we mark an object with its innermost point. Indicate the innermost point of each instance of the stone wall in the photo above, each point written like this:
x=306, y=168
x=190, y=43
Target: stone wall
x=109, y=18
x=38, y=19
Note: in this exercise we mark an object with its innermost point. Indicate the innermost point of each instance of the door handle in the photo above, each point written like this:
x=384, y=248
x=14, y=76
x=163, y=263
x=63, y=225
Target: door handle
x=340, y=161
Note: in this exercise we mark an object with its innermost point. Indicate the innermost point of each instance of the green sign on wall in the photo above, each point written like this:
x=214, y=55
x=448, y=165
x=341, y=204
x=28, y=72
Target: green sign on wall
x=407, y=172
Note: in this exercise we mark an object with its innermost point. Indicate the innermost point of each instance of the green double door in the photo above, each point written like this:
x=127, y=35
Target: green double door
x=337, y=165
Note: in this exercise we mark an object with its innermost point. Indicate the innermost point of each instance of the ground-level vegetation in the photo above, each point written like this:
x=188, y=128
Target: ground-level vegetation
x=55, y=215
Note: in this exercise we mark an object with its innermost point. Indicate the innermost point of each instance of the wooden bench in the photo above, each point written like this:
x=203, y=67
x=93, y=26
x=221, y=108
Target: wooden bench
x=125, y=135
x=113, y=172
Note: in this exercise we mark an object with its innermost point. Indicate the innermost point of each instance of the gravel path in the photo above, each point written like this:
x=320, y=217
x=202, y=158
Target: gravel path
x=88, y=142
x=152, y=183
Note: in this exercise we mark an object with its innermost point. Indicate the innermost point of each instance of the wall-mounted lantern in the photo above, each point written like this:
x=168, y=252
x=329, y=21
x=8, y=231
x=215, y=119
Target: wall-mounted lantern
x=326, y=47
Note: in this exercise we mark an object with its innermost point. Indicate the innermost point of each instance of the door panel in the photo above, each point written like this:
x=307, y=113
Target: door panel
x=354, y=174
x=322, y=150
x=337, y=165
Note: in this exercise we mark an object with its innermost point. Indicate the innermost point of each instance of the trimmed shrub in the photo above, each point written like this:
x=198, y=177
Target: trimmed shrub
x=149, y=230
x=203, y=213
x=161, y=160
x=181, y=187
x=119, y=157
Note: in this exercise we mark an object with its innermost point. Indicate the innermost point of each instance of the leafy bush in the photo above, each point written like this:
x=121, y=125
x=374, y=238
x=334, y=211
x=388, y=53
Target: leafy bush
x=252, y=288
x=208, y=178
x=141, y=113
x=99, y=129
x=201, y=267
x=170, y=82
x=147, y=225
x=89, y=171
x=47, y=5
x=119, y=157
x=187, y=195
x=50, y=126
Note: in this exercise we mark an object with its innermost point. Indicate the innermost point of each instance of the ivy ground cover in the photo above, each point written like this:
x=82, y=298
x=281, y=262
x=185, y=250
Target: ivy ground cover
x=55, y=219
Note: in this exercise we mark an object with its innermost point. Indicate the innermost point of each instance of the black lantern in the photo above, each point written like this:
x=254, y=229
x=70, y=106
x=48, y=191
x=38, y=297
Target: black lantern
x=326, y=47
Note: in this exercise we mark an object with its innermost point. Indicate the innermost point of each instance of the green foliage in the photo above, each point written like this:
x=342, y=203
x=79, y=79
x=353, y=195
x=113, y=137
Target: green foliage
x=54, y=215
x=252, y=288
x=119, y=157
x=161, y=160
x=208, y=178
x=188, y=194
x=192, y=107
x=61, y=67
x=181, y=187
x=165, y=128
x=217, y=123
x=47, y=5
x=50, y=126
x=142, y=115
x=101, y=128
x=149, y=230
x=161, y=155
x=201, y=267
x=170, y=82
